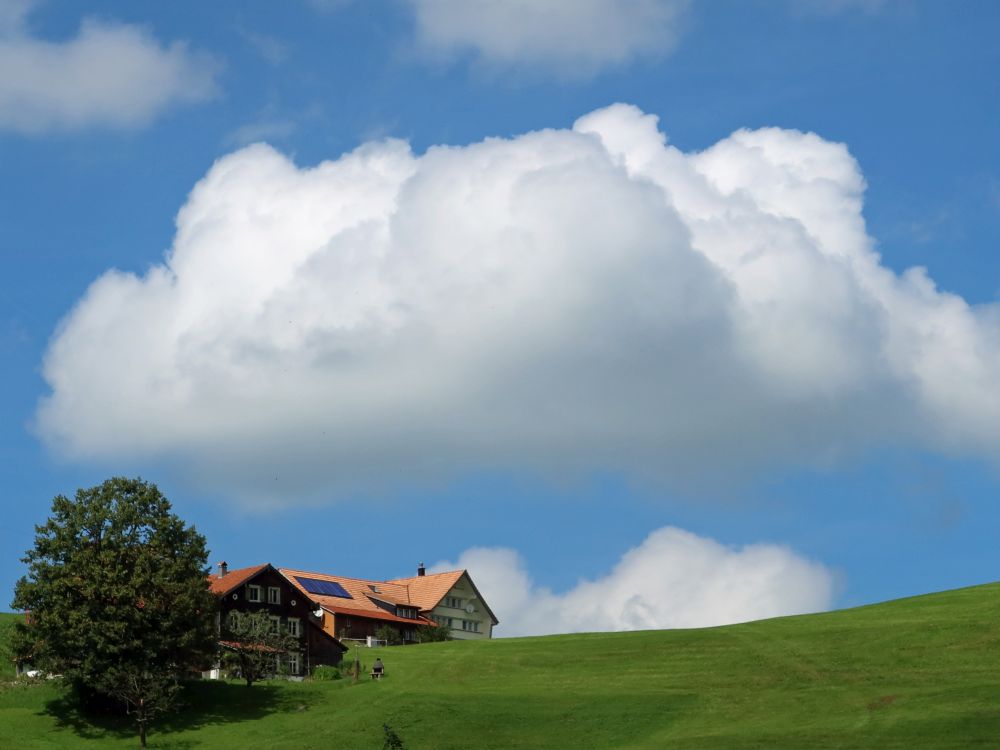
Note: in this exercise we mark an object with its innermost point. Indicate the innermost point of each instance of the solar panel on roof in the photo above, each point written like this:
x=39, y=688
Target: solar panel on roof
x=323, y=588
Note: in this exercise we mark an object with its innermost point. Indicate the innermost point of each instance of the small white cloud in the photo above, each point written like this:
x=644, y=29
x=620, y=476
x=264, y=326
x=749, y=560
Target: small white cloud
x=270, y=48
x=563, y=302
x=111, y=75
x=274, y=123
x=261, y=130
x=575, y=37
x=674, y=579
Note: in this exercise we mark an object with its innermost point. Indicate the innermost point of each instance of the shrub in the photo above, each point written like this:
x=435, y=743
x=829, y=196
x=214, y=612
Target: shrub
x=390, y=635
x=392, y=740
x=433, y=633
x=324, y=673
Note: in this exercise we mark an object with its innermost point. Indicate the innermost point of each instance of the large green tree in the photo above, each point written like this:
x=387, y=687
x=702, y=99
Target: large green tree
x=118, y=596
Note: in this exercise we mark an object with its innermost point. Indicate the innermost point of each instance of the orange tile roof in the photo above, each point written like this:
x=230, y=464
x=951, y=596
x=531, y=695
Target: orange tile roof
x=427, y=591
x=222, y=585
x=361, y=603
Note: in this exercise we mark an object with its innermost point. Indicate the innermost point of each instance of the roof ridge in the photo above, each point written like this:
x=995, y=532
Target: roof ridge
x=230, y=571
x=397, y=581
x=221, y=585
x=426, y=575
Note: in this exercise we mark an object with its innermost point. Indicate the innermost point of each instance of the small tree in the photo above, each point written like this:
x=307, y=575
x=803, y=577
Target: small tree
x=143, y=693
x=433, y=633
x=390, y=635
x=256, y=644
x=118, y=595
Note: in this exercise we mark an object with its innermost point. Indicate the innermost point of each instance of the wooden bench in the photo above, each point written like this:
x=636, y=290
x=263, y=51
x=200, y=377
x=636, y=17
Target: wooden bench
x=377, y=675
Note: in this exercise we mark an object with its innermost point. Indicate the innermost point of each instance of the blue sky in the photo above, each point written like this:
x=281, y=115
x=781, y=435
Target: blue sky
x=532, y=441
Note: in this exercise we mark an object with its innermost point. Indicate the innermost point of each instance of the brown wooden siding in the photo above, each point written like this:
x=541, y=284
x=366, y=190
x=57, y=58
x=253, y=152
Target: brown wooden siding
x=315, y=648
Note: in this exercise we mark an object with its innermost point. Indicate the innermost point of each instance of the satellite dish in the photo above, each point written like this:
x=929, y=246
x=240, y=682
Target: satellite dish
x=469, y=608
x=318, y=612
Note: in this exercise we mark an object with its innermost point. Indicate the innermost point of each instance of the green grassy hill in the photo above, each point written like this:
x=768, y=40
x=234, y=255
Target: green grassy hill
x=913, y=673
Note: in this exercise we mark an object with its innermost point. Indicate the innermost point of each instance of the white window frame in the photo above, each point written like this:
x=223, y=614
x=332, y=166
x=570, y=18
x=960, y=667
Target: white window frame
x=453, y=601
x=294, y=627
x=294, y=663
x=253, y=593
x=470, y=626
x=275, y=624
x=273, y=595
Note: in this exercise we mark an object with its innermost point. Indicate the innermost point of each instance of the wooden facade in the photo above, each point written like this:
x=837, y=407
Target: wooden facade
x=264, y=589
x=358, y=626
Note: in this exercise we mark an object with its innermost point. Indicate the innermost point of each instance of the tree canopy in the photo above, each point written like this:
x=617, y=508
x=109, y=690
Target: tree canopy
x=118, y=596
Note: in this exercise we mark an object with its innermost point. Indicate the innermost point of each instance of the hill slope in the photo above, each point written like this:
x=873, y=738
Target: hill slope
x=919, y=672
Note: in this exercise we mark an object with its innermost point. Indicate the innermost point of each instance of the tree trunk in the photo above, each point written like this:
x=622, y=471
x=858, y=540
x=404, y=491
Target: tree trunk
x=142, y=733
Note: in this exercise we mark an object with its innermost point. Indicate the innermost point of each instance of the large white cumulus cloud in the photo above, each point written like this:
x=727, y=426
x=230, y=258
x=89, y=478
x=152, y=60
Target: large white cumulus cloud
x=674, y=579
x=563, y=301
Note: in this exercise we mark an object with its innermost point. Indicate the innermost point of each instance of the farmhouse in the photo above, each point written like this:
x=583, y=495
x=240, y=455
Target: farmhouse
x=357, y=608
x=320, y=609
x=262, y=588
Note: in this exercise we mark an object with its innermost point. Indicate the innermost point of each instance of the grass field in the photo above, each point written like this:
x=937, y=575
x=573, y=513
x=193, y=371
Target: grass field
x=914, y=673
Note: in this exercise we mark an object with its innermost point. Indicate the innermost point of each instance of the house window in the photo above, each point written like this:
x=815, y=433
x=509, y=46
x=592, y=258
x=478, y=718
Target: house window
x=453, y=601
x=253, y=593
x=275, y=624
x=273, y=595
x=293, y=626
x=231, y=621
x=293, y=664
x=446, y=621
x=470, y=625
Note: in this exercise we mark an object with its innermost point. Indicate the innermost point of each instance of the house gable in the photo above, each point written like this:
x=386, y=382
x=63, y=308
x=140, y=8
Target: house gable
x=262, y=588
x=432, y=591
x=221, y=584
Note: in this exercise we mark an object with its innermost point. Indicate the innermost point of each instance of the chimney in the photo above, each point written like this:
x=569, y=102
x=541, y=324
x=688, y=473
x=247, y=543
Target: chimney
x=223, y=568
x=421, y=570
